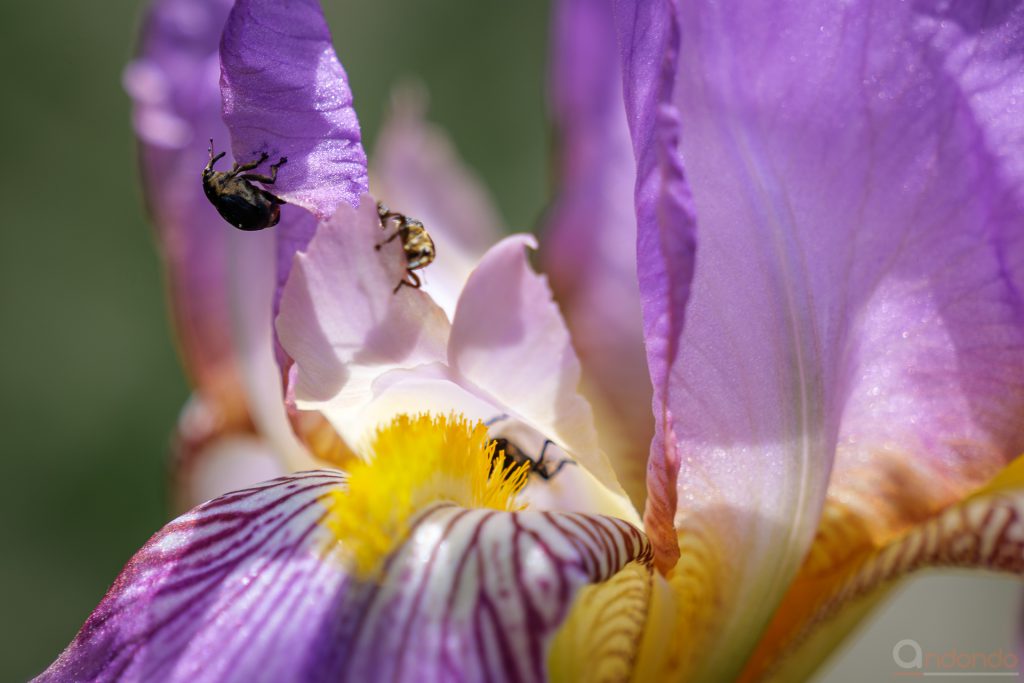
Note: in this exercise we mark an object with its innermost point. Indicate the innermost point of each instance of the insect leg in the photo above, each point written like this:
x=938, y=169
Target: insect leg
x=213, y=159
x=561, y=463
x=390, y=239
x=497, y=419
x=413, y=282
x=538, y=465
x=543, y=451
x=267, y=179
x=238, y=168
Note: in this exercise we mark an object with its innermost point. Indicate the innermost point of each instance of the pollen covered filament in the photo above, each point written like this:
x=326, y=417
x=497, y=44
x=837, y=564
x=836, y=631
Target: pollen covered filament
x=415, y=462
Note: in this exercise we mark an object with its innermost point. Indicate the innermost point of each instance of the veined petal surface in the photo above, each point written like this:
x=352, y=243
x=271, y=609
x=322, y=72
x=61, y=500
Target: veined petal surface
x=856, y=175
x=286, y=94
x=253, y=587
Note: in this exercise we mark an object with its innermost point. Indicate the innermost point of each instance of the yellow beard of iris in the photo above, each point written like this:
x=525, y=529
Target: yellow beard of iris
x=416, y=462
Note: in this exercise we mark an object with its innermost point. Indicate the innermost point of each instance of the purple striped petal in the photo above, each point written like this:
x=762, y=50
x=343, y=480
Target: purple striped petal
x=476, y=595
x=235, y=590
x=252, y=587
x=589, y=246
x=286, y=94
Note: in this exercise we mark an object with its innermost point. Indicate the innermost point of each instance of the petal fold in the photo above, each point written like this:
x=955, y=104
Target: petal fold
x=286, y=94
x=649, y=39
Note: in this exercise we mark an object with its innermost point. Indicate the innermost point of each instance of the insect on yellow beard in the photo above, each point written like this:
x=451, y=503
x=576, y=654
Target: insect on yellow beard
x=416, y=462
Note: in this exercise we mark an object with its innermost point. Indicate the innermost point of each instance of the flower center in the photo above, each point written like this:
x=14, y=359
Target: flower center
x=417, y=461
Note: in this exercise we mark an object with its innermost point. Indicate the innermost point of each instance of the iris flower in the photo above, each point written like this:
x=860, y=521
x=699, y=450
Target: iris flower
x=805, y=219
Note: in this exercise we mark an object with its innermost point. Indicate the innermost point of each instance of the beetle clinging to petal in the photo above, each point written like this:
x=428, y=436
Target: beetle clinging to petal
x=241, y=203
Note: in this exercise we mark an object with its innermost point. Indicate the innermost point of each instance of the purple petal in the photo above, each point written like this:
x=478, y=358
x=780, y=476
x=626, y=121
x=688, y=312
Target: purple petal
x=286, y=94
x=856, y=171
x=221, y=284
x=253, y=587
x=589, y=247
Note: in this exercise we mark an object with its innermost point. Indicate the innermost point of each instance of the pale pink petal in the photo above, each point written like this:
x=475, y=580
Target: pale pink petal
x=509, y=340
x=251, y=291
x=342, y=322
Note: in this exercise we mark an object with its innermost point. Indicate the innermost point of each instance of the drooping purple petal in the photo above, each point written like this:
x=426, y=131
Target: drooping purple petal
x=221, y=286
x=285, y=94
x=589, y=245
x=253, y=587
x=856, y=171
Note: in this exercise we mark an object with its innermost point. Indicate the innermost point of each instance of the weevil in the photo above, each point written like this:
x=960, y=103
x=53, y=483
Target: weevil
x=416, y=244
x=515, y=456
x=238, y=201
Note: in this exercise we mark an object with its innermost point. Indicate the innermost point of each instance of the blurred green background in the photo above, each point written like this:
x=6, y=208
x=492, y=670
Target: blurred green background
x=91, y=386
